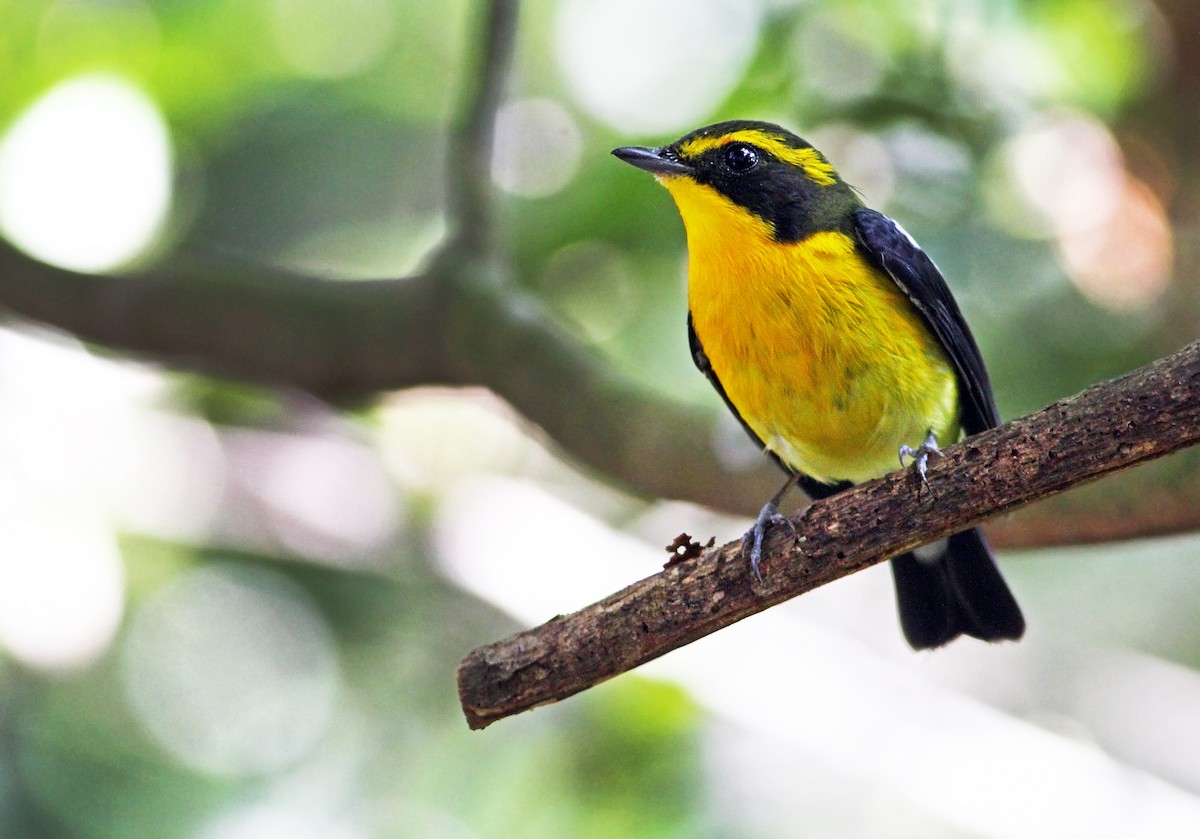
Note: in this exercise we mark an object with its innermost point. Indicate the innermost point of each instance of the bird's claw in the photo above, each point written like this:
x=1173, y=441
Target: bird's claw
x=753, y=539
x=920, y=456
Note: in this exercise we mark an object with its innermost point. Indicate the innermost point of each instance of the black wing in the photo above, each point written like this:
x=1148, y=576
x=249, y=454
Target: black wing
x=895, y=253
x=814, y=488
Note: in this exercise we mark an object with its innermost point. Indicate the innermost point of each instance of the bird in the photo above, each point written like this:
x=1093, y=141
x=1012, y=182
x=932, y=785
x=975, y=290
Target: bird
x=836, y=342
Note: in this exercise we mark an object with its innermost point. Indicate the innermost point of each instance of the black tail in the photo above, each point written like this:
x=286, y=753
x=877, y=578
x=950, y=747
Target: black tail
x=959, y=592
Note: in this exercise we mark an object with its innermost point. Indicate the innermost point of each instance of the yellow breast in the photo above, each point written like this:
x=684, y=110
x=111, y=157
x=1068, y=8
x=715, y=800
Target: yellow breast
x=823, y=356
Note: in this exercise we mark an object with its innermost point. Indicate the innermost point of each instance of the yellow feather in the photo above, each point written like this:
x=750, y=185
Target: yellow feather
x=822, y=355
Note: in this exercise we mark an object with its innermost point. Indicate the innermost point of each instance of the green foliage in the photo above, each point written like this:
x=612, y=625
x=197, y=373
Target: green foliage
x=339, y=173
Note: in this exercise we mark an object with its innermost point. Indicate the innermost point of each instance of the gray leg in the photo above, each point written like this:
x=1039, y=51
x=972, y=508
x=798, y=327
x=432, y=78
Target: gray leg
x=767, y=516
x=921, y=454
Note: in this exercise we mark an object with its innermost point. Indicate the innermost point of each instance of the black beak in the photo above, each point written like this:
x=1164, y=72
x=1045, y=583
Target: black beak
x=654, y=161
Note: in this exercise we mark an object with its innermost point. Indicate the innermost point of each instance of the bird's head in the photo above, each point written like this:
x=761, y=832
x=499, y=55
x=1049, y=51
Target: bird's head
x=745, y=165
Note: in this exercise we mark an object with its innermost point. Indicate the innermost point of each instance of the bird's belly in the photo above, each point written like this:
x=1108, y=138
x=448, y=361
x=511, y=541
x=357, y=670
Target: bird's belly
x=833, y=374
x=849, y=426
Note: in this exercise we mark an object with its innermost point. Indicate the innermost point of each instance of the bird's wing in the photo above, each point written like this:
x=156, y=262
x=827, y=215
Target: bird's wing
x=814, y=488
x=894, y=252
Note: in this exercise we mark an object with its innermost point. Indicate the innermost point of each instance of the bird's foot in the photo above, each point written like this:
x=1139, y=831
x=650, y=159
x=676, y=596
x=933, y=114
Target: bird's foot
x=920, y=456
x=753, y=539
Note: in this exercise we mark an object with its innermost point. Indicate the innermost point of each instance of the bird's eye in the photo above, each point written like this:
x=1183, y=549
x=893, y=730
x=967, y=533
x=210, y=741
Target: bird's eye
x=741, y=158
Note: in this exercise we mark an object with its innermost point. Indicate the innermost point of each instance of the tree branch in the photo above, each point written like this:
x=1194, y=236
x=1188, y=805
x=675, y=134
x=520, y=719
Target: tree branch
x=469, y=176
x=1155, y=499
x=1146, y=414
x=256, y=324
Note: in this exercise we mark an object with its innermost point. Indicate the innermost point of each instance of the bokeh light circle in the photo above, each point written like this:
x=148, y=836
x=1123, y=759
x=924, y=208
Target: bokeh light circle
x=658, y=65
x=86, y=175
x=232, y=670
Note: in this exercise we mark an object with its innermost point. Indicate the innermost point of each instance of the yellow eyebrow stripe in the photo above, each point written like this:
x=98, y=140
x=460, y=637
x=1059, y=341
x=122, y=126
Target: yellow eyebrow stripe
x=815, y=167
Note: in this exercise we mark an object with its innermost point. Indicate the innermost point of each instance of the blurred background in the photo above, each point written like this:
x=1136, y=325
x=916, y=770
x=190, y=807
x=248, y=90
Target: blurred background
x=231, y=611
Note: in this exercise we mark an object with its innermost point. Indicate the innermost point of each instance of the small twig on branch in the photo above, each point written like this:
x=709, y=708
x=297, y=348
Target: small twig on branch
x=1111, y=426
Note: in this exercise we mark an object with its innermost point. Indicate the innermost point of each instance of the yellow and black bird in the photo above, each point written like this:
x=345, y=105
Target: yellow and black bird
x=836, y=342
